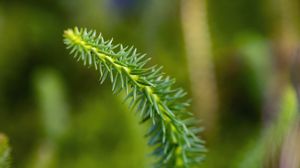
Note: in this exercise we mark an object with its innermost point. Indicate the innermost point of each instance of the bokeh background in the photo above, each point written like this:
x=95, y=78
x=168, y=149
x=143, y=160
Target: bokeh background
x=238, y=60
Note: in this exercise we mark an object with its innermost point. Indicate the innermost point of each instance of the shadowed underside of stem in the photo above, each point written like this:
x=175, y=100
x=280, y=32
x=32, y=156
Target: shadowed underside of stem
x=173, y=131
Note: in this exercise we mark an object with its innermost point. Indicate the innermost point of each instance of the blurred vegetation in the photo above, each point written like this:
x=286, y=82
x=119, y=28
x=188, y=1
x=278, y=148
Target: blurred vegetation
x=56, y=115
x=4, y=151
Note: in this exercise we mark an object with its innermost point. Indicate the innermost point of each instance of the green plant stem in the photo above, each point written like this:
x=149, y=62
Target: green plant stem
x=173, y=131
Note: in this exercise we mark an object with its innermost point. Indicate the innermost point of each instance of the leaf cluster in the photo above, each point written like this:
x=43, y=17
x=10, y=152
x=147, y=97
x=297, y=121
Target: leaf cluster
x=173, y=131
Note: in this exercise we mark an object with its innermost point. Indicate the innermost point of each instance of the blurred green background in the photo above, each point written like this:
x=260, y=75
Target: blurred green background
x=234, y=57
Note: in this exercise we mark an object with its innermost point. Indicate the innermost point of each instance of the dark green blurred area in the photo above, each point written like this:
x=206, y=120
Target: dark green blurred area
x=56, y=114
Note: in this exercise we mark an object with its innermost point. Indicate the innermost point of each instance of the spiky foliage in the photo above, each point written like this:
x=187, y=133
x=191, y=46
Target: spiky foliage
x=173, y=131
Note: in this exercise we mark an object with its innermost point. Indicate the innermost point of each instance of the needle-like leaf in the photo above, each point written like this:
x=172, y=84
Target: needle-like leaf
x=172, y=133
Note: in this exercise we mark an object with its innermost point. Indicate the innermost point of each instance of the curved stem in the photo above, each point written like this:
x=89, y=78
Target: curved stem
x=174, y=137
